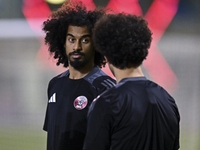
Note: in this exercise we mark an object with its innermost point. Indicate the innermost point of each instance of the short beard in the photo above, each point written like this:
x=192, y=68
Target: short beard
x=78, y=64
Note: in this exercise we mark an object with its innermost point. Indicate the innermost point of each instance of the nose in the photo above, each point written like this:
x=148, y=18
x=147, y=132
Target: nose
x=77, y=45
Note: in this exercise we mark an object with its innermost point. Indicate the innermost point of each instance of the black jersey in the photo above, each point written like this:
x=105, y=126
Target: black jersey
x=136, y=114
x=68, y=104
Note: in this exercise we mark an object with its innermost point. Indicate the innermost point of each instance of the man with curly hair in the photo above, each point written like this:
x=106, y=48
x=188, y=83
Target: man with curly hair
x=136, y=114
x=69, y=37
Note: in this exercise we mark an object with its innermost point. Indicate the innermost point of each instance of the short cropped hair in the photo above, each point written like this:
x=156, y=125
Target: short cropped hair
x=56, y=26
x=123, y=39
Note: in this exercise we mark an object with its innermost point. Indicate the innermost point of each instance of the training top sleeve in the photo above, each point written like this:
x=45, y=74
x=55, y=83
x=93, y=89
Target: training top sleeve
x=99, y=80
x=104, y=83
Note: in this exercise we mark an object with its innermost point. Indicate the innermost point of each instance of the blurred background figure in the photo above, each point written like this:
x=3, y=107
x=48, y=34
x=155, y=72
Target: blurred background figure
x=26, y=66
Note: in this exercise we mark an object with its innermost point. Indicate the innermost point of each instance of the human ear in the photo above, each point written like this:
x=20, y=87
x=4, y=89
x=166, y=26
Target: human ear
x=107, y=60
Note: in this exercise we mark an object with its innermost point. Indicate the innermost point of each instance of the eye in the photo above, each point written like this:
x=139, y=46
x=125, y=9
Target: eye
x=85, y=40
x=71, y=40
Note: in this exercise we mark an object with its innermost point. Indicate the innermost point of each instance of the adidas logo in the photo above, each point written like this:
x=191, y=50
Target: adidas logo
x=53, y=98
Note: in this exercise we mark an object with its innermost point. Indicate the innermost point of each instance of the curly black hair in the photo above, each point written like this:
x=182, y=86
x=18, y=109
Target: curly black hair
x=56, y=26
x=123, y=38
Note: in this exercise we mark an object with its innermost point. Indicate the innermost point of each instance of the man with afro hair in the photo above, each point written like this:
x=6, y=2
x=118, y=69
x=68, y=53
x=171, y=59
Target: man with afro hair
x=136, y=114
x=69, y=37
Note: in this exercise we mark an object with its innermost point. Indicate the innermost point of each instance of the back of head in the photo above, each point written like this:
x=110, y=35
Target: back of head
x=71, y=13
x=123, y=39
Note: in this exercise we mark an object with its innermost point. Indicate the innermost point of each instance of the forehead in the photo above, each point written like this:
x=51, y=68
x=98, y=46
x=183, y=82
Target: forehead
x=78, y=31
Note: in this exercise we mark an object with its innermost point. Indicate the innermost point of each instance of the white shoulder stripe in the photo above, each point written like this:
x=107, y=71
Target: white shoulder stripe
x=108, y=83
x=53, y=98
x=107, y=87
x=113, y=84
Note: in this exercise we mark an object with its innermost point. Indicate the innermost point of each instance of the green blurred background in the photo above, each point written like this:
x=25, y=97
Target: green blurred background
x=24, y=74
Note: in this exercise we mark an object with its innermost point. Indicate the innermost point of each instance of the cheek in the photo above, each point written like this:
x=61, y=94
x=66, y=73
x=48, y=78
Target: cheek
x=68, y=48
x=89, y=48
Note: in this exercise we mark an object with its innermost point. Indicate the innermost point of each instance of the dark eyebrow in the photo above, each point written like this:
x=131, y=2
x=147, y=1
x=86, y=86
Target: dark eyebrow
x=68, y=34
x=87, y=35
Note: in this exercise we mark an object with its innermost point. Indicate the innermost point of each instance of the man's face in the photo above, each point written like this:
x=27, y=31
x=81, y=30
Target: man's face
x=79, y=47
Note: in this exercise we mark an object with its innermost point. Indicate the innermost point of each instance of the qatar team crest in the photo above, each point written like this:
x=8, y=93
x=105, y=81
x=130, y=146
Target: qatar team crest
x=80, y=102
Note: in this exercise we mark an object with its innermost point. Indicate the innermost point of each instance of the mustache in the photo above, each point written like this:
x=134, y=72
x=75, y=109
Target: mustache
x=77, y=53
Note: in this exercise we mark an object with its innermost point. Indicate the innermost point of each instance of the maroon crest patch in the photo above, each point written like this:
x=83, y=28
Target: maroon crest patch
x=80, y=102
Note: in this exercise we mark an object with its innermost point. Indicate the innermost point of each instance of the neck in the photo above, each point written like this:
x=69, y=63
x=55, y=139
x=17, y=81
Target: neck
x=127, y=72
x=78, y=74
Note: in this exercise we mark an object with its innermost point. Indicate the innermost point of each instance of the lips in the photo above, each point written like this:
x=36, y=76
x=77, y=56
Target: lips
x=75, y=55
